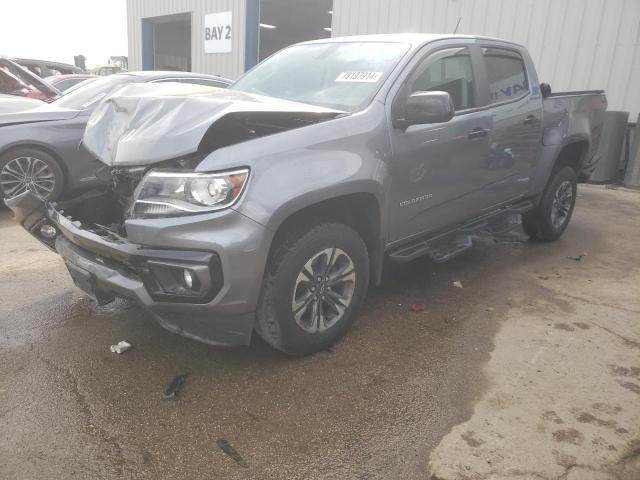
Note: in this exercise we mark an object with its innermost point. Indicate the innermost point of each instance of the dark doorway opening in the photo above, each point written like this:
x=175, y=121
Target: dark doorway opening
x=166, y=42
x=283, y=23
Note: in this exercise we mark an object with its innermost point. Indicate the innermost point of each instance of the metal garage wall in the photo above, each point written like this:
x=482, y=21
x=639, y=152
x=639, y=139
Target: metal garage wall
x=576, y=44
x=229, y=65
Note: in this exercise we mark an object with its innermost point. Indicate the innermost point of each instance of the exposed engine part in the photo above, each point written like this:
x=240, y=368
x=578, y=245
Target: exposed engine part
x=104, y=211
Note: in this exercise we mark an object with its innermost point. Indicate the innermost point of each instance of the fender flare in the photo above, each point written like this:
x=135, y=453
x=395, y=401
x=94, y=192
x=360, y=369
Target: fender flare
x=549, y=160
x=338, y=192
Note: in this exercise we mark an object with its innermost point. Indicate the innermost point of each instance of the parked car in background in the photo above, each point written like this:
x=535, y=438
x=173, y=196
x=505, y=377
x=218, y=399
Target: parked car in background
x=64, y=82
x=41, y=150
x=105, y=70
x=273, y=206
x=17, y=80
x=10, y=84
x=44, y=68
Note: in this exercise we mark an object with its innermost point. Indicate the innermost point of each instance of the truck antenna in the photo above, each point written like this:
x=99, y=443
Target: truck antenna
x=455, y=30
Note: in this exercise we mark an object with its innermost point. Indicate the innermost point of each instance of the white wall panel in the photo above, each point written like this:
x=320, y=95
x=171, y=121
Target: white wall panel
x=229, y=65
x=576, y=44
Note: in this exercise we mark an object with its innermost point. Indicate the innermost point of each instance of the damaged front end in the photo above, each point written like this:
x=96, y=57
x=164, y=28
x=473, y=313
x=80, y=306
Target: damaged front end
x=160, y=231
x=183, y=288
x=88, y=246
x=107, y=209
x=152, y=137
x=177, y=267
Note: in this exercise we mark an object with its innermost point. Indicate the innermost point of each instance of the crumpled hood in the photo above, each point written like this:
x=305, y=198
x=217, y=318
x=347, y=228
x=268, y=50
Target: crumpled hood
x=142, y=124
x=43, y=113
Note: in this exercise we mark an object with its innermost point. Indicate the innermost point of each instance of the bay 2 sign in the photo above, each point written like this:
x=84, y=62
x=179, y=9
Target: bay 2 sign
x=217, y=32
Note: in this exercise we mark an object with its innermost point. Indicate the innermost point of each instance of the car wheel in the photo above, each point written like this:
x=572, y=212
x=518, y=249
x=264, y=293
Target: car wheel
x=31, y=169
x=315, y=282
x=551, y=217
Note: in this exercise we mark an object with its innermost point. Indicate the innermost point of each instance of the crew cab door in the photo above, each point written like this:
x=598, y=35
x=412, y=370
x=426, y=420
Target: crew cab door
x=436, y=169
x=516, y=132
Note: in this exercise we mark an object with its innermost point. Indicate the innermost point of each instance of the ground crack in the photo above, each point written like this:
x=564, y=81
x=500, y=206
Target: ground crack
x=90, y=425
x=627, y=341
x=598, y=304
x=569, y=468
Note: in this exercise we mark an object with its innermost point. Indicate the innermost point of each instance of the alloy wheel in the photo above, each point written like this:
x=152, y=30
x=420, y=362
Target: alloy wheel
x=561, y=205
x=323, y=290
x=27, y=173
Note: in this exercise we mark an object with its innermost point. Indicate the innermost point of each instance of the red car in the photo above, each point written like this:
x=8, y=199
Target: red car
x=64, y=82
x=17, y=80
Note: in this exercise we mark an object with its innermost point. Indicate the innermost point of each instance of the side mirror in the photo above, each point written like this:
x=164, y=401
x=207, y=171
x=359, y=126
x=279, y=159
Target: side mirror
x=428, y=107
x=545, y=90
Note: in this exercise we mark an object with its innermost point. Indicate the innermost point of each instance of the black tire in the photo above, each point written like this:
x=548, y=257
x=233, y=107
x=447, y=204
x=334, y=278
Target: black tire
x=543, y=222
x=40, y=158
x=275, y=321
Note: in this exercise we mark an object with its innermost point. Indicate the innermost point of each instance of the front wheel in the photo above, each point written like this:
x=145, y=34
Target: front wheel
x=32, y=169
x=548, y=221
x=315, y=282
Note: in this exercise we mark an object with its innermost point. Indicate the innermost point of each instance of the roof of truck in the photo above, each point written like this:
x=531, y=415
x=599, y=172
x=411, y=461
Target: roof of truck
x=414, y=39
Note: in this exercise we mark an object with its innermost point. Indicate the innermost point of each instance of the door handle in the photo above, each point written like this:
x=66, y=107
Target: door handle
x=530, y=120
x=477, y=133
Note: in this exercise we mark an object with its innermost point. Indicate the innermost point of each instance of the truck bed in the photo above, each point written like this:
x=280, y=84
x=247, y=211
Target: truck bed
x=575, y=114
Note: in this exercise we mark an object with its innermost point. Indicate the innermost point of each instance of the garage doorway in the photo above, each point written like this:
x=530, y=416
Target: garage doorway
x=283, y=23
x=166, y=42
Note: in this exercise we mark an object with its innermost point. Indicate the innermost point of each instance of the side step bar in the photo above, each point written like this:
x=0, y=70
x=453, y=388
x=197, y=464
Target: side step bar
x=449, y=244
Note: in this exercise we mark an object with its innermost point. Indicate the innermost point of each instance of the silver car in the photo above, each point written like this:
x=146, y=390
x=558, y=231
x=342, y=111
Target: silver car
x=41, y=149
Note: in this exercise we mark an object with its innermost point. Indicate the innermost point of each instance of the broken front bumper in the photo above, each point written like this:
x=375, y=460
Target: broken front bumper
x=217, y=306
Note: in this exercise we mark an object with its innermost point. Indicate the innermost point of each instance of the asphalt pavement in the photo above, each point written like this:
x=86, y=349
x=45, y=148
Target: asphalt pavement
x=530, y=370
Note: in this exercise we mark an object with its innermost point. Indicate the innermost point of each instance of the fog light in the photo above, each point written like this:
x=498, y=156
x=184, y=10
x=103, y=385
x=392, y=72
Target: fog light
x=188, y=279
x=48, y=231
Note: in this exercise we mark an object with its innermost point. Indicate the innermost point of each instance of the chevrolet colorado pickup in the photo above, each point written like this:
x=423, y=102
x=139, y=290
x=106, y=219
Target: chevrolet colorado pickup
x=271, y=206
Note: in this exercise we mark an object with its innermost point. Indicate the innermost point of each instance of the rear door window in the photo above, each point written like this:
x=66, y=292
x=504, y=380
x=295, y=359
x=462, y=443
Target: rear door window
x=506, y=73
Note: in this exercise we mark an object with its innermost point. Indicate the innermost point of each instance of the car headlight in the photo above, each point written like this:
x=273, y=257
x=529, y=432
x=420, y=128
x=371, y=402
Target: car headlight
x=166, y=193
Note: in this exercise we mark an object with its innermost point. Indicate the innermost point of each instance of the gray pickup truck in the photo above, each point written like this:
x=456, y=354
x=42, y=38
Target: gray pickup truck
x=273, y=205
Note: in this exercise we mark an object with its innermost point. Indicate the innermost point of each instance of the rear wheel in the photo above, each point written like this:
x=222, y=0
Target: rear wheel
x=31, y=169
x=548, y=221
x=315, y=282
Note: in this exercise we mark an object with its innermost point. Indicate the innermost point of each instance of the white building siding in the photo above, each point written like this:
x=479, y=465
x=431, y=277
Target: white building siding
x=230, y=65
x=575, y=44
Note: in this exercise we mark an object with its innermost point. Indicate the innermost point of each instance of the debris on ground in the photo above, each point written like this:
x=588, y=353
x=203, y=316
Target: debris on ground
x=226, y=447
x=457, y=284
x=578, y=258
x=120, y=347
x=173, y=389
x=417, y=307
x=612, y=186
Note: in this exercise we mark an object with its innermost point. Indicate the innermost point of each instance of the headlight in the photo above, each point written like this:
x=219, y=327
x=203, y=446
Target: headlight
x=164, y=193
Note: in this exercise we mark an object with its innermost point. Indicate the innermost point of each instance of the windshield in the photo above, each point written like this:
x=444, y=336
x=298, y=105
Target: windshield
x=343, y=76
x=85, y=95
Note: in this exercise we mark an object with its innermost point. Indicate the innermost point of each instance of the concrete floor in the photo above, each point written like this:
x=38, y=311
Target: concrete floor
x=532, y=370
